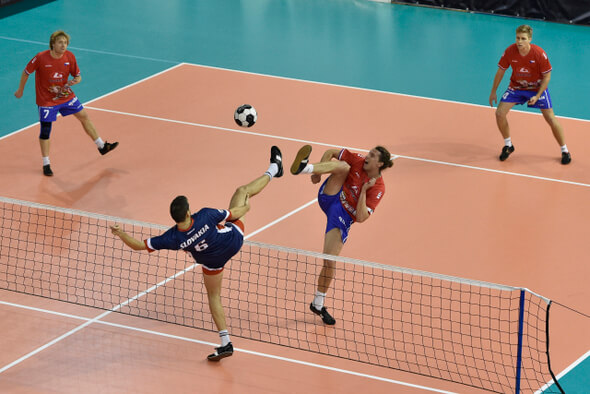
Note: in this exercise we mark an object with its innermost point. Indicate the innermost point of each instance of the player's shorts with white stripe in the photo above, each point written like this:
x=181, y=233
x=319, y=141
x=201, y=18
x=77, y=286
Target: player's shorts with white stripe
x=523, y=96
x=49, y=114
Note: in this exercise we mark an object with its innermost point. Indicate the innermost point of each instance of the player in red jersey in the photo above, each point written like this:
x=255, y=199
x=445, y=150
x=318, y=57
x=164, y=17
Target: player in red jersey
x=350, y=194
x=54, y=93
x=531, y=72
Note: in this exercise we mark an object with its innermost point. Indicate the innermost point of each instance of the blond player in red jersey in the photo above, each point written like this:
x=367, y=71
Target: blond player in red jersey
x=350, y=194
x=531, y=73
x=54, y=94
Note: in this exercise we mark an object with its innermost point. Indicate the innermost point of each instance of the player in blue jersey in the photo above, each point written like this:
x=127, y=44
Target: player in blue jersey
x=210, y=241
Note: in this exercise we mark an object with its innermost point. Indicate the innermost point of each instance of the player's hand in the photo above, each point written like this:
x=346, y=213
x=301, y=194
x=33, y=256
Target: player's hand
x=493, y=99
x=533, y=100
x=116, y=230
x=65, y=91
x=370, y=184
x=18, y=93
x=316, y=178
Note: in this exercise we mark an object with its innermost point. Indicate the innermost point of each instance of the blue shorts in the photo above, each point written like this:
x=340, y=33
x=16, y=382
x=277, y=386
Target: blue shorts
x=49, y=114
x=523, y=96
x=233, y=239
x=337, y=216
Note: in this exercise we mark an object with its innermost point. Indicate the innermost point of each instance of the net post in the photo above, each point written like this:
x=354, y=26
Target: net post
x=520, y=332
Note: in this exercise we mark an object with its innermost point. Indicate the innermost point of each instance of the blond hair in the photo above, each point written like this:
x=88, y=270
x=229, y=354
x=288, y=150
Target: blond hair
x=56, y=35
x=525, y=29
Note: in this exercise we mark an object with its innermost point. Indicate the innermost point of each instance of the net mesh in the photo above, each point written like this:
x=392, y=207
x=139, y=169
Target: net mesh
x=448, y=328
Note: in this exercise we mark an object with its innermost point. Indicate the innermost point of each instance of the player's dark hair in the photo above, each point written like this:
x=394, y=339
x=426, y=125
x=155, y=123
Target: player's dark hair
x=178, y=208
x=384, y=157
x=56, y=35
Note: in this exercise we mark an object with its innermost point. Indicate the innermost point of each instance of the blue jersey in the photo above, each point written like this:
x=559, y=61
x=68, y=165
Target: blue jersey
x=210, y=243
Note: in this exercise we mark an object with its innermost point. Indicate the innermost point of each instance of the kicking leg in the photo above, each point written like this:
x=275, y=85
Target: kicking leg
x=251, y=189
x=337, y=169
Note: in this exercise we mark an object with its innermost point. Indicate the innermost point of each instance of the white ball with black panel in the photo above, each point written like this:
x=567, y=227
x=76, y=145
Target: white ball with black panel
x=245, y=115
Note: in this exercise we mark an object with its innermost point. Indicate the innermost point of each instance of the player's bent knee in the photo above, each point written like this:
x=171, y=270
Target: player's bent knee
x=45, y=130
x=343, y=167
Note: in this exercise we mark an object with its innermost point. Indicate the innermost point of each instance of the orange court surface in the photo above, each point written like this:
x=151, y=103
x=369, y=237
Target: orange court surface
x=450, y=207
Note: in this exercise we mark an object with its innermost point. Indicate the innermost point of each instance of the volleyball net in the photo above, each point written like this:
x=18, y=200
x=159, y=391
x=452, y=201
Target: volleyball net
x=479, y=334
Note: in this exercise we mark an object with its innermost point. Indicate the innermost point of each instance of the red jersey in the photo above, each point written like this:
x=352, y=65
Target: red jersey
x=51, y=75
x=527, y=71
x=354, y=182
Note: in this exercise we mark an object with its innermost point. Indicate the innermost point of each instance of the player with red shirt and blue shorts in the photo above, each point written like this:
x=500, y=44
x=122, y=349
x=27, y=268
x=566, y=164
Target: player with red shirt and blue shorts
x=54, y=93
x=212, y=237
x=531, y=72
x=350, y=194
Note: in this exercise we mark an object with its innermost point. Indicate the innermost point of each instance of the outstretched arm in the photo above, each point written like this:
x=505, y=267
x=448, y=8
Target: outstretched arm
x=21, y=86
x=133, y=243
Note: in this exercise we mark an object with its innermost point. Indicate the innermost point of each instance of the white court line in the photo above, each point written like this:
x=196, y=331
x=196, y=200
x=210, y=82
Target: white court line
x=267, y=135
x=139, y=295
x=100, y=97
x=266, y=355
x=564, y=372
x=92, y=50
x=373, y=90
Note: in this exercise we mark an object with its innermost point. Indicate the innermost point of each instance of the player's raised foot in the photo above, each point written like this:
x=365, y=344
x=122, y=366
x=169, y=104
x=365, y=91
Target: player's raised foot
x=47, y=170
x=566, y=158
x=326, y=317
x=301, y=160
x=108, y=147
x=277, y=158
x=221, y=352
x=506, y=151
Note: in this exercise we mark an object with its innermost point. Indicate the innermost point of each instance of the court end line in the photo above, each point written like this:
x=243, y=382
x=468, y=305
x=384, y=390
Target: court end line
x=395, y=156
x=254, y=353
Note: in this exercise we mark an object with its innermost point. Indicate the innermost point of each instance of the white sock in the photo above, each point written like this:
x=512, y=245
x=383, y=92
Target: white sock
x=224, y=335
x=308, y=169
x=99, y=143
x=508, y=141
x=318, y=301
x=564, y=148
x=45, y=160
x=273, y=169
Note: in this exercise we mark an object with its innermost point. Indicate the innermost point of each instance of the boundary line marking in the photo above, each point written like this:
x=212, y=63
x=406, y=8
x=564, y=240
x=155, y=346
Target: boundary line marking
x=564, y=372
x=260, y=354
x=137, y=296
x=100, y=97
x=395, y=156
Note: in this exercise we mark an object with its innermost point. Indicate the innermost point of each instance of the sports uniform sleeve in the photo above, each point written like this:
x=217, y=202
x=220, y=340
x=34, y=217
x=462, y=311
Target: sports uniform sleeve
x=215, y=215
x=374, y=196
x=349, y=157
x=164, y=241
x=74, y=69
x=544, y=64
x=504, y=62
x=32, y=65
